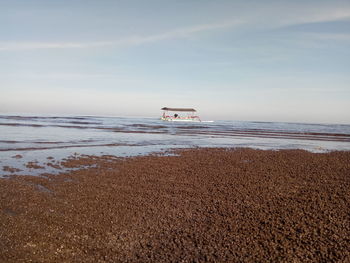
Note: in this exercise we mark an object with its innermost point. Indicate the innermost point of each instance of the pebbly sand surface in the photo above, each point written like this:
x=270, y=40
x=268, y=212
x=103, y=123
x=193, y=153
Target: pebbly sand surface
x=205, y=205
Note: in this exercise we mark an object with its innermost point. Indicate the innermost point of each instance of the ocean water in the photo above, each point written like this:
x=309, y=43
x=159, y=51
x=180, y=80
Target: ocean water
x=36, y=139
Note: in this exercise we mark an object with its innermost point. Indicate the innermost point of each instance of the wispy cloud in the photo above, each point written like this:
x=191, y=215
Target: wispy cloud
x=277, y=17
x=322, y=16
x=127, y=41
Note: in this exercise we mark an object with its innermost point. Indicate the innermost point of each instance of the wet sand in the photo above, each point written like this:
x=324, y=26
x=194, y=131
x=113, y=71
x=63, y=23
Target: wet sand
x=214, y=205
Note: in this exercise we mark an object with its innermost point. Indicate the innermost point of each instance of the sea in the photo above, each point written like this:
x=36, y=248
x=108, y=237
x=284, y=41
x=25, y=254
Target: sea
x=44, y=140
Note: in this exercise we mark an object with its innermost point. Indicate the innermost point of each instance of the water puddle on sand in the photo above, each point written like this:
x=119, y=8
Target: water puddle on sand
x=36, y=163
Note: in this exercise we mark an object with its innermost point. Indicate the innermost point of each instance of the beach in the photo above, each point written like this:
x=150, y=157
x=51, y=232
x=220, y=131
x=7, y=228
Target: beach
x=174, y=131
x=189, y=205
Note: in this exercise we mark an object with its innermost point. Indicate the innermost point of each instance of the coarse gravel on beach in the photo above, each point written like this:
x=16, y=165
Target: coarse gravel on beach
x=202, y=205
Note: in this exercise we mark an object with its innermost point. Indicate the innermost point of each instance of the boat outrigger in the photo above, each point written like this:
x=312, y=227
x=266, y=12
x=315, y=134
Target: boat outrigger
x=189, y=114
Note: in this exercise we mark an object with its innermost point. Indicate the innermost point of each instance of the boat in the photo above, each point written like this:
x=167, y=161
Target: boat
x=180, y=114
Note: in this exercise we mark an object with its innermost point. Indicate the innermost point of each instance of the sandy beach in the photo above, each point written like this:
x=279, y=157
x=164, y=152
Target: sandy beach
x=200, y=205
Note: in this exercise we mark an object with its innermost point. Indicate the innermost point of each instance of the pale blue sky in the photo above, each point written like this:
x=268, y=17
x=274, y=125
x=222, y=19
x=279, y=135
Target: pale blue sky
x=240, y=60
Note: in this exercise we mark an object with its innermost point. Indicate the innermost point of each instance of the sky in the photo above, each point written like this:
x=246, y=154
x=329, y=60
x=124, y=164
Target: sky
x=259, y=60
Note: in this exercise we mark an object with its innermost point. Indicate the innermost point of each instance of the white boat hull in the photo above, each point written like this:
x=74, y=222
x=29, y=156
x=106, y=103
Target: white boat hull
x=180, y=120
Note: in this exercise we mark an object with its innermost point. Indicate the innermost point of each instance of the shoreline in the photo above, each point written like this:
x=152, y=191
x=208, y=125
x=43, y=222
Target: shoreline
x=38, y=163
x=214, y=204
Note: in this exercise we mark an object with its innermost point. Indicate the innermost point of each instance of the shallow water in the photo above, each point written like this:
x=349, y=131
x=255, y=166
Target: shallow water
x=26, y=138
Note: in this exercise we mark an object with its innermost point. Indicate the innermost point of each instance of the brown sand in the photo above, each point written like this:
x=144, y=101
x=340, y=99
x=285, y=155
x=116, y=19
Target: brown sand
x=212, y=205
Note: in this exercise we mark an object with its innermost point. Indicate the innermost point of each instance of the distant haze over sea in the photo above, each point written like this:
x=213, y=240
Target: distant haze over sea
x=285, y=61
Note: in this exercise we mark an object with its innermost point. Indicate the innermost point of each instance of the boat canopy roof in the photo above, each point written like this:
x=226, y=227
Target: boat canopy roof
x=179, y=109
